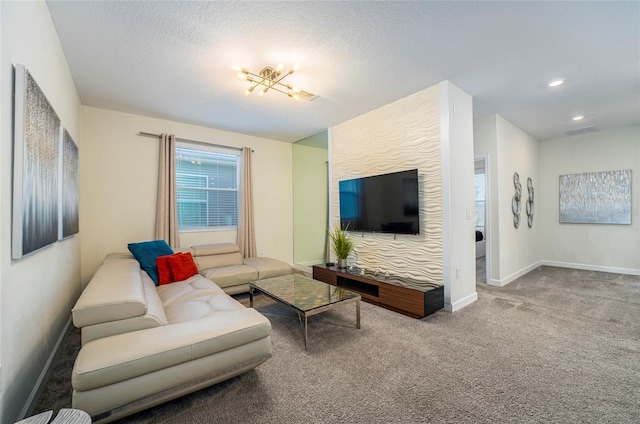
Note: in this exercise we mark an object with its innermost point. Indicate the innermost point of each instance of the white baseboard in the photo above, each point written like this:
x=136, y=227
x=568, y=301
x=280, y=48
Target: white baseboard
x=515, y=275
x=30, y=404
x=599, y=268
x=452, y=307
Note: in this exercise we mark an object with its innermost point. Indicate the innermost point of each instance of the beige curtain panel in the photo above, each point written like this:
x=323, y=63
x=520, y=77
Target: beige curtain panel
x=167, y=210
x=246, y=228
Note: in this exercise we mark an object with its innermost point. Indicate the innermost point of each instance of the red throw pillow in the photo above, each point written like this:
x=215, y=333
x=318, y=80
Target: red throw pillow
x=182, y=266
x=164, y=271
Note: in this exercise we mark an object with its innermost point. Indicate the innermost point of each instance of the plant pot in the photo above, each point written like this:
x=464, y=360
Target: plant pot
x=342, y=263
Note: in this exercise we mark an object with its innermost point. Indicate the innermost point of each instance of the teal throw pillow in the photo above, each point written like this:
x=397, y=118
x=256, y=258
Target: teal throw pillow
x=146, y=253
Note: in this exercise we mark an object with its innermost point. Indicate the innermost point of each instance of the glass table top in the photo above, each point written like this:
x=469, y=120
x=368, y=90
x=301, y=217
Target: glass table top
x=303, y=293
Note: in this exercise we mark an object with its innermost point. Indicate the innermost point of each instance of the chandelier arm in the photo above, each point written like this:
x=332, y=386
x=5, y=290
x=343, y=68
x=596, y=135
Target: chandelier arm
x=283, y=77
x=264, y=83
x=254, y=75
x=288, y=87
x=280, y=91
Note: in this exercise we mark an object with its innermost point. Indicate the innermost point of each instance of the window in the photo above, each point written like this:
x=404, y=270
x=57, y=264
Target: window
x=207, y=187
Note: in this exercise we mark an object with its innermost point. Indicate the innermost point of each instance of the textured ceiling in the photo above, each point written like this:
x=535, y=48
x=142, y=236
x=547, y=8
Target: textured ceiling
x=173, y=60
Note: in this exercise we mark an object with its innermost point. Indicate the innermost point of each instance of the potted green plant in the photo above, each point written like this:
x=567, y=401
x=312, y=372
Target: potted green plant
x=341, y=244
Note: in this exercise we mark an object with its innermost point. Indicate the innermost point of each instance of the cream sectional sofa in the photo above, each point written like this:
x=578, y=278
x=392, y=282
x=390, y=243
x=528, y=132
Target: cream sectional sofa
x=143, y=345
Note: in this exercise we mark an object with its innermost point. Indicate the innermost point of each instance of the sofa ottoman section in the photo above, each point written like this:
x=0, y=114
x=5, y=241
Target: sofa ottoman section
x=268, y=268
x=167, y=361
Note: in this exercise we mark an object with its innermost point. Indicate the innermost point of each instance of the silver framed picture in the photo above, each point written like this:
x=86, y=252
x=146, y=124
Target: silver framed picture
x=69, y=216
x=596, y=198
x=35, y=168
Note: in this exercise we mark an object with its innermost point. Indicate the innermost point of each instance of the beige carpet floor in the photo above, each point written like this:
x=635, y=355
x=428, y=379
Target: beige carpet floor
x=555, y=346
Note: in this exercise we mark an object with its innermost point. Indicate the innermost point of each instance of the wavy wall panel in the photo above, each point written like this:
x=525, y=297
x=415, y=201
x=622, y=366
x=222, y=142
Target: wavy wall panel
x=402, y=135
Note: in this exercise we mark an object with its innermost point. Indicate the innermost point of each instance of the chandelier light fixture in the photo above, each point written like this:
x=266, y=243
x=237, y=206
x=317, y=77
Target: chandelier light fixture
x=272, y=79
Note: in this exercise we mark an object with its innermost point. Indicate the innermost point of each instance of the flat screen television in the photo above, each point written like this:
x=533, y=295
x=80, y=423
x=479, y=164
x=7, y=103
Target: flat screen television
x=385, y=203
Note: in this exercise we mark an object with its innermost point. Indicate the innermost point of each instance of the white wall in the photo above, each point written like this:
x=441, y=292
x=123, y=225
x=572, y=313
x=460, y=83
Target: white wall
x=613, y=248
x=458, y=200
x=2, y=213
x=419, y=131
x=517, y=152
x=513, y=252
x=38, y=291
x=119, y=181
x=401, y=135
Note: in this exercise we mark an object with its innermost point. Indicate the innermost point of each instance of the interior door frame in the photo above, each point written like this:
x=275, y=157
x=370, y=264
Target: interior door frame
x=487, y=213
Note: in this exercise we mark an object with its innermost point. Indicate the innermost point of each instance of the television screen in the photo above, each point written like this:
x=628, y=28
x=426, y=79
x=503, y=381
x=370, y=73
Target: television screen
x=381, y=204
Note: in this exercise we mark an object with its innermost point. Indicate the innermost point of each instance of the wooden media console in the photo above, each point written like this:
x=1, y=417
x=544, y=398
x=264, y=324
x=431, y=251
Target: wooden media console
x=410, y=297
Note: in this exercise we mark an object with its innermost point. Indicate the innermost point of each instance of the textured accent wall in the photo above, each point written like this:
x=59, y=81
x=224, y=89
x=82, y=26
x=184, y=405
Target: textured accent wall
x=402, y=135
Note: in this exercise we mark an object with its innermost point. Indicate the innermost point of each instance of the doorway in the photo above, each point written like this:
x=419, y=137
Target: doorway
x=481, y=196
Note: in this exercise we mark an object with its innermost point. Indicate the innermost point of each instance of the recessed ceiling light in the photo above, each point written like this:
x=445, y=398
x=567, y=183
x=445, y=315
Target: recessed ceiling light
x=556, y=83
x=578, y=118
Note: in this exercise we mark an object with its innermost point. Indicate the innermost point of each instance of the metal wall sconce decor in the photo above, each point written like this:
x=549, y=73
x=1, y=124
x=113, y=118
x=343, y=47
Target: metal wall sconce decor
x=515, y=201
x=530, y=203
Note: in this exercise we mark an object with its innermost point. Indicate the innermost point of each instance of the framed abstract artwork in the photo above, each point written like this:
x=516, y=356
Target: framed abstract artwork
x=36, y=161
x=596, y=198
x=69, y=216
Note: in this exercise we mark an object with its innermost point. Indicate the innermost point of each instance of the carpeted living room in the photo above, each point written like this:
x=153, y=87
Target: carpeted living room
x=557, y=345
x=262, y=212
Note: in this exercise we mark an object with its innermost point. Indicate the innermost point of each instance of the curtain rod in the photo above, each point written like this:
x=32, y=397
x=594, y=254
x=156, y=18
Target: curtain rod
x=146, y=134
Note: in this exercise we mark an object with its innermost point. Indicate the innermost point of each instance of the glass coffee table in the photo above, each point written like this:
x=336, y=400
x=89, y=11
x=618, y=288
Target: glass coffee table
x=305, y=296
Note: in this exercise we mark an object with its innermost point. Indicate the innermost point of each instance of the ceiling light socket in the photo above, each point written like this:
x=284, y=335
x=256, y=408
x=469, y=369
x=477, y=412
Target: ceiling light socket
x=578, y=118
x=556, y=83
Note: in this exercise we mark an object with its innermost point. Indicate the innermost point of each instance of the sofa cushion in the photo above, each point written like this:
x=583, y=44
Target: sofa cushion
x=155, y=316
x=193, y=299
x=146, y=253
x=216, y=255
x=115, y=292
x=218, y=261
x=231, y=275
x=215, y=249
x=268, y=268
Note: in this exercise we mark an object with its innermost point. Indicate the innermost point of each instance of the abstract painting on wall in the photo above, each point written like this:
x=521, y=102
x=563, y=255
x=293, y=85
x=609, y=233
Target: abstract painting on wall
x=69, y=223
x=596, y=198
x=35, y=166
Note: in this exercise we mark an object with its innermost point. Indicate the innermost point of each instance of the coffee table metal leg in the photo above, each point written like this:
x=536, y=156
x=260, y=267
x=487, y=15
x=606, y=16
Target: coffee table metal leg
x=358, y=314
x=250, y=297
x=305, y=331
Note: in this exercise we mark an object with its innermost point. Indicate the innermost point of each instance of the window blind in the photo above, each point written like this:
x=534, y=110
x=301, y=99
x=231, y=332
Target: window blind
x=207, y=188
